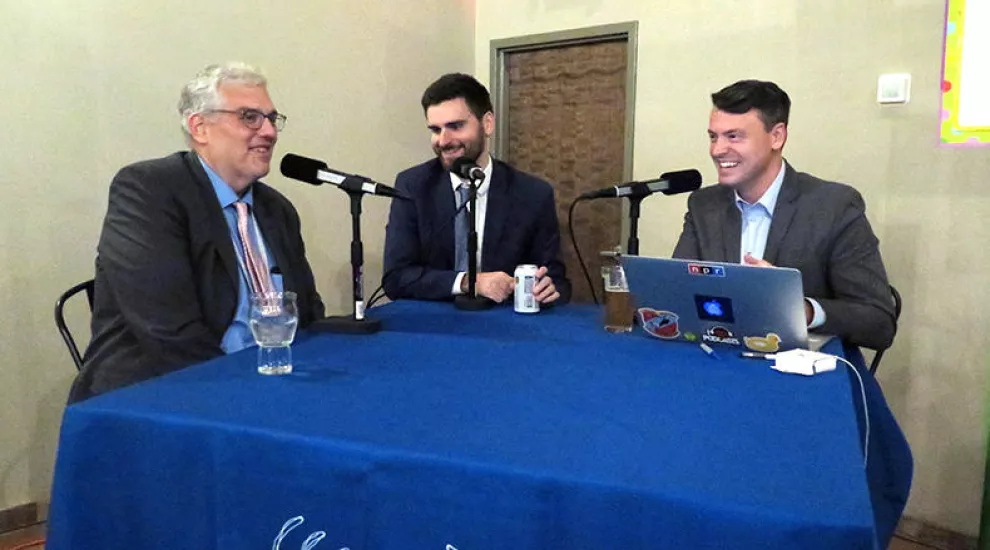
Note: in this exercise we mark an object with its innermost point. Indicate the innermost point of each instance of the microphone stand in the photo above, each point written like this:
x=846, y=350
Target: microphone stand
x=471, y=301
x=632, y=247
x=356, y=322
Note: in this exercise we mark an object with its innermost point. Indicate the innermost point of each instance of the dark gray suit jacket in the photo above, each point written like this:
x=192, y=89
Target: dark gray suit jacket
x=167, y=274
x=818, y=227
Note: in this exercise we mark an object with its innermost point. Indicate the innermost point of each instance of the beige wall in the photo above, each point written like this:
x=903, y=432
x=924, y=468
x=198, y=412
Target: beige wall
x=929, y=205
x=90, y=86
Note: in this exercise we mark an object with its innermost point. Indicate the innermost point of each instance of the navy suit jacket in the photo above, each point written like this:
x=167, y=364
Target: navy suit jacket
x=167, y=273
x=820, y=228
x=520, y=228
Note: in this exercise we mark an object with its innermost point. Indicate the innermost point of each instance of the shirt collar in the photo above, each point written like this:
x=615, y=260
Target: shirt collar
x=769, y=198
x=225, y=193
x=456, y=181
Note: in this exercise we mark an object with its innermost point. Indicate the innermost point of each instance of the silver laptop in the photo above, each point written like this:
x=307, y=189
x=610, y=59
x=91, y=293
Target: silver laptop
x=758, y=309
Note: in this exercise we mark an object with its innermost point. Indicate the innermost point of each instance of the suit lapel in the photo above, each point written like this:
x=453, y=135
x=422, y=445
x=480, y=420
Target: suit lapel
x=496, y=213
x=730, y=219
x=216, y=224
x=783, y=214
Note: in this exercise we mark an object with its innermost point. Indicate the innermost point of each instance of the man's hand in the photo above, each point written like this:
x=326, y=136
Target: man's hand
x=495, y=286
x=748, y=259
x=544, y=291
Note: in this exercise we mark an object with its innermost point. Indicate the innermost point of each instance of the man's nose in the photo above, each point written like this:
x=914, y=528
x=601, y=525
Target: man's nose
x=717, y=147
x=268, y=128
x=443, y=138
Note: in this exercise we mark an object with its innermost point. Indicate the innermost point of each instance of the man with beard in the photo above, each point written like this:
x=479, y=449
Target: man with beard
x=188, y=237
x=763, y=212
x=516, y=215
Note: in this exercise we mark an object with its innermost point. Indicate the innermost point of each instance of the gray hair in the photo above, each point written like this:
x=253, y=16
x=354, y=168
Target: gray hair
x=202, y=93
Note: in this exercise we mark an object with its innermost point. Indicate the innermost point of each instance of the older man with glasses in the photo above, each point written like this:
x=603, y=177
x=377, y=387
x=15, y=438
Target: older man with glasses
x=188, y=237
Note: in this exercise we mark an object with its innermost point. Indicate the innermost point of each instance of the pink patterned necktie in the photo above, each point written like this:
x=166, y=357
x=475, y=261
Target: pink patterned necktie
x=259, y=277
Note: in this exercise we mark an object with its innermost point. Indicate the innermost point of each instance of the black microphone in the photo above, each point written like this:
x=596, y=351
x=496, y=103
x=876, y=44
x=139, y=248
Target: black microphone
x=467, y=169
x=317, y=172
x=669, y=183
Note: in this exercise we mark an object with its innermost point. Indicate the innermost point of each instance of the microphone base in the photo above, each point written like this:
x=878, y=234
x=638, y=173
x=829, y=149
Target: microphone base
x=346, y=324
x=472, y=303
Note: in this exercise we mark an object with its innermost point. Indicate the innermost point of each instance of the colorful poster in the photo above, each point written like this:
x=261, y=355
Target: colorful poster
x=965, y=78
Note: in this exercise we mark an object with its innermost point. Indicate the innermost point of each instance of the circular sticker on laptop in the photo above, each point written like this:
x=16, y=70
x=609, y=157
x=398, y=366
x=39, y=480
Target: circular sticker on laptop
x=659, y=323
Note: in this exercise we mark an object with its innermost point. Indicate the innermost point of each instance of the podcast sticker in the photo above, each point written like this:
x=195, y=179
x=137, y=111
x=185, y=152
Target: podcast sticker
x=720, y=335
x=659, y=323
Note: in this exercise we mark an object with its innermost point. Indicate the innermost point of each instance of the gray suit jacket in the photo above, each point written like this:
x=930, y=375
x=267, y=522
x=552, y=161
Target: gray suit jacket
x=167, y=274
x=820, y=228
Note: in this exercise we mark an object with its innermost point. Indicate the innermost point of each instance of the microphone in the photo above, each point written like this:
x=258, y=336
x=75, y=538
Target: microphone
x=467, y=169
x=317, y=172
x=669, y=183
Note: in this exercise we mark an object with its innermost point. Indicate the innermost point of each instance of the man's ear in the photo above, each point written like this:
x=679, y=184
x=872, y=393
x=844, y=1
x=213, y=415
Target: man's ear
x=197, y=128
x=488, y=123
x=778, y=136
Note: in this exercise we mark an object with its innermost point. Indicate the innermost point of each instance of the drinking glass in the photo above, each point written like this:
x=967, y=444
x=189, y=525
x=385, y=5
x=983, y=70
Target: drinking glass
x=619, y=310
x=273, y=320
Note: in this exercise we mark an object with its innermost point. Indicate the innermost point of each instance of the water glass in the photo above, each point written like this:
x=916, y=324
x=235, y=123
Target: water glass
x=273, y=320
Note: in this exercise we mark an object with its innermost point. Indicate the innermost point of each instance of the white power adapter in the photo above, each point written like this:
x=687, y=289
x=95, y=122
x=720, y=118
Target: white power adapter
x=802, y=361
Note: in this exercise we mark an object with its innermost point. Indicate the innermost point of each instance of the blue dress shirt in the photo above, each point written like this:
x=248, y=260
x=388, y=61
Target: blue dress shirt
x=238, y=335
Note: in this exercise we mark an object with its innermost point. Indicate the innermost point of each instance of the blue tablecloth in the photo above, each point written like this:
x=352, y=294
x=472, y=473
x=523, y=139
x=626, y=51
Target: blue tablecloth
x=487, y=430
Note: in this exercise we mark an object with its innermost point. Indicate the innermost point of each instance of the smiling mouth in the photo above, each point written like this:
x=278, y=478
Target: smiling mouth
x=726, y=164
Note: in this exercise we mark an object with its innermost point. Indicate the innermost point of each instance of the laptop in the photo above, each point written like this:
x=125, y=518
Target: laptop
x=759, y=309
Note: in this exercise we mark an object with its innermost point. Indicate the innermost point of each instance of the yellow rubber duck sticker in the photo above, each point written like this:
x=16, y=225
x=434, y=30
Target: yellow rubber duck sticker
x=766, y=344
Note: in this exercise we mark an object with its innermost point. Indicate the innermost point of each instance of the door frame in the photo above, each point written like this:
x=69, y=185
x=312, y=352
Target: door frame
x=588, y=35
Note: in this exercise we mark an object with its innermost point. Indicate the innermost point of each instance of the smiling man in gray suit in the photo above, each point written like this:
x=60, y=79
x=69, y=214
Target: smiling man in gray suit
x=763, y=212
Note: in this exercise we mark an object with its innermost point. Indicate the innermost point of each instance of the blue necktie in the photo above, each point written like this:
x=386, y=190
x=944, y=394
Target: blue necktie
x=461, y=231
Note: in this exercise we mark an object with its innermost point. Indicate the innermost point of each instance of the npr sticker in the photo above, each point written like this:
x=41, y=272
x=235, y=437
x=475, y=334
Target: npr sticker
x=662, y=324
x=720, y=335
x=766, y=344
x=706, y=270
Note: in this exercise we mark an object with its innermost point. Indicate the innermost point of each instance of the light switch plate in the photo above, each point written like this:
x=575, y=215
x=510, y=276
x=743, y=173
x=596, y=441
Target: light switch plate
x=894, y=88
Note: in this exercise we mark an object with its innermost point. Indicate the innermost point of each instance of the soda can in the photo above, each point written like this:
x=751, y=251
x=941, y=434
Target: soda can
x=525, y=281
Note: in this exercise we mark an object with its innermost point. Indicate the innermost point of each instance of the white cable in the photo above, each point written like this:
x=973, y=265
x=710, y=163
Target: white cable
x=866, y=410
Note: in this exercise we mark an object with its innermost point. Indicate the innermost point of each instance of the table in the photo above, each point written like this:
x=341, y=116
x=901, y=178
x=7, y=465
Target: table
x=470, y=429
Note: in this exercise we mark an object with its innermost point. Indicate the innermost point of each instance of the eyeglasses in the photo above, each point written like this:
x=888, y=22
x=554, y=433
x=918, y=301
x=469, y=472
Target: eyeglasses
x=254, y=119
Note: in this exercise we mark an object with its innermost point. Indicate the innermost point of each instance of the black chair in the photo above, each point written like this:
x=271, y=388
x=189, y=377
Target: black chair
x=897, y=315
x=63, y=329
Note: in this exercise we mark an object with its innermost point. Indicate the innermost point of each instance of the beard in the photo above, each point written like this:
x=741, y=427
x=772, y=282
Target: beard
x=473, y=149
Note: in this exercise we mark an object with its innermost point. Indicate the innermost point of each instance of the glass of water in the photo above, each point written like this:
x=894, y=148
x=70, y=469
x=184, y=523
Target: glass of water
x=273, y=320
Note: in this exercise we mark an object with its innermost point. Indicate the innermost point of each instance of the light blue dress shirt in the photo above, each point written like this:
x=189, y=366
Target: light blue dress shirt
x=756, y=219
x=238, y=335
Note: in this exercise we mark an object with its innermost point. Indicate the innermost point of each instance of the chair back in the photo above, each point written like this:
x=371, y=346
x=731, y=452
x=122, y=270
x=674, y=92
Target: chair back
x=63, y=329
x=897, y=316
